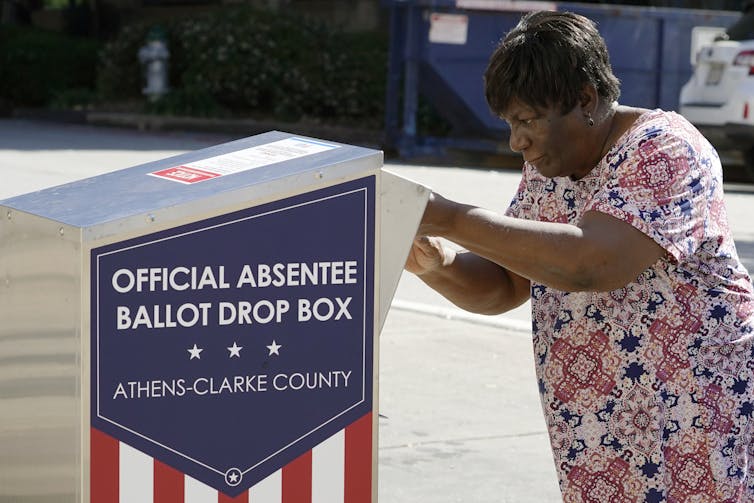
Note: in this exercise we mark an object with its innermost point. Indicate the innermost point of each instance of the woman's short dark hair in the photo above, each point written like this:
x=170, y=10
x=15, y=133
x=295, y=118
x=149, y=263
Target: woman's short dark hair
x=546, y=60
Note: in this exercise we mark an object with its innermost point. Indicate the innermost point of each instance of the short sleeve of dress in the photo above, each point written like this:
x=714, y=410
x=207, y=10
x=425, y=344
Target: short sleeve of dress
x=656, y=182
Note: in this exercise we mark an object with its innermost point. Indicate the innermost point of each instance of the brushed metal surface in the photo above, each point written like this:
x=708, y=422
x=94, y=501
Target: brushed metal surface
x=129, y=192
x=40, y=356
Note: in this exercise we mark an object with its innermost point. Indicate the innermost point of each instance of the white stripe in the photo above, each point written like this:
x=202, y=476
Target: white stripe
x=519, y=327
x=136, y=476
x=268, y=490
x=328, y=470
x=197, y=492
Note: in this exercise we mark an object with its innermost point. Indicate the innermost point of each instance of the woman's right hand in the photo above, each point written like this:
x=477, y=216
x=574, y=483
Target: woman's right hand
x=428, y=254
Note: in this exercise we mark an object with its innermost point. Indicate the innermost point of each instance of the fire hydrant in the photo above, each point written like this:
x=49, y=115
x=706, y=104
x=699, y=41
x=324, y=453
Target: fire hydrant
x=154, y=57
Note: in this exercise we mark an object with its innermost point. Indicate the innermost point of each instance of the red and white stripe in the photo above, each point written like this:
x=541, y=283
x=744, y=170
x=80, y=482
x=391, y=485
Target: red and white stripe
x=339, y=470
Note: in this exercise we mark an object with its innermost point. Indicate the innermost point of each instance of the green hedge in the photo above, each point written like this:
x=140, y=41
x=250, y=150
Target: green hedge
x=38, y=67
x=247, y=62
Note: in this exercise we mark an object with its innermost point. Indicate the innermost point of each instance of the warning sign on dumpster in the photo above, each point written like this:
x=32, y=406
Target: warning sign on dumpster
x=228, y=347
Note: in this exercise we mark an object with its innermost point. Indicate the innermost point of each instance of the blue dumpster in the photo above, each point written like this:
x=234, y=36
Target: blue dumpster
x=439, y=51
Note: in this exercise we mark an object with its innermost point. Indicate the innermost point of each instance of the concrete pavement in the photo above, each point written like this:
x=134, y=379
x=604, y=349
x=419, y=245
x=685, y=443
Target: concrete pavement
x=460, y=413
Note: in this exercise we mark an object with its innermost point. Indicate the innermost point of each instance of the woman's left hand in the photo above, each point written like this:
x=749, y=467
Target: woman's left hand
x=428, y=254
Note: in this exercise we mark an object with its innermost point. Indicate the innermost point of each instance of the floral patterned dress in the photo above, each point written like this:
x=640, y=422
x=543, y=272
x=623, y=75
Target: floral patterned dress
x=648, y=390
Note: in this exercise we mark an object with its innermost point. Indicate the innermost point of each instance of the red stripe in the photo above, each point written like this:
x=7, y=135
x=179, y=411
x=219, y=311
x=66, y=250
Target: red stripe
x=297, y=480
x=359, y=461
x=241, y=498
x=104, y=467
x=168, y=484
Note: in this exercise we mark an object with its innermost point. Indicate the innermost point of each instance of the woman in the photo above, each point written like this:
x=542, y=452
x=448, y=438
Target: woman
x=643, y=316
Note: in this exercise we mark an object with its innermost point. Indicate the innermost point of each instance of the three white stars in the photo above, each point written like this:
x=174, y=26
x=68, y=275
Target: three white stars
x=235, y=350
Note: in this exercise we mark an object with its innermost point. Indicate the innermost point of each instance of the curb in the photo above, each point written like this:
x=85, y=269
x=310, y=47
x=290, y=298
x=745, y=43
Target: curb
x=248, y=127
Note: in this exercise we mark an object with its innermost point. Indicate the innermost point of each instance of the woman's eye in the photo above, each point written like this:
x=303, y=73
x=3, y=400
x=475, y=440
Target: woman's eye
x=520, y=122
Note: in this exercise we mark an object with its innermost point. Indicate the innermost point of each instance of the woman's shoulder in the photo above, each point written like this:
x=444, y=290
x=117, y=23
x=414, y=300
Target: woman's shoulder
x=658, y=139
x=636, y=120
x=658, y=126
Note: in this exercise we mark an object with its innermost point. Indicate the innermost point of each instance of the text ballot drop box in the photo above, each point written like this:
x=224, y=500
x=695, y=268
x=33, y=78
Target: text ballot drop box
x=201, y=328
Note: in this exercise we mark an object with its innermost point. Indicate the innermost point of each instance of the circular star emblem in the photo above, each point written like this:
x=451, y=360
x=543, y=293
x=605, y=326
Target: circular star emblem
x=233, y=477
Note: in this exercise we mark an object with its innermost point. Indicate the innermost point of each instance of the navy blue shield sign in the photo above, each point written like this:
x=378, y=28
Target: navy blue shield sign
x=225, y=348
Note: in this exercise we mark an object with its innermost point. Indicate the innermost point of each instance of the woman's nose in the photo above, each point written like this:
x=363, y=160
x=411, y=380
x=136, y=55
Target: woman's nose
x=517, y=141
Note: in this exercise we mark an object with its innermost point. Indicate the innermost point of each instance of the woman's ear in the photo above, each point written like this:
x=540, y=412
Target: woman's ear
x=588, y=99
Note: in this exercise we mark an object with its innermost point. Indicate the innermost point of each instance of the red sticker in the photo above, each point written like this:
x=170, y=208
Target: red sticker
x=185, y=174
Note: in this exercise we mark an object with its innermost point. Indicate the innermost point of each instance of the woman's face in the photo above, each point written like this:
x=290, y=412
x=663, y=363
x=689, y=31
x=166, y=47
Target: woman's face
x=556, y=144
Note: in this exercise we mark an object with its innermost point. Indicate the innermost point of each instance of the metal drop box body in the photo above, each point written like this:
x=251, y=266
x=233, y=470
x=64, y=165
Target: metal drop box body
x=204, y=321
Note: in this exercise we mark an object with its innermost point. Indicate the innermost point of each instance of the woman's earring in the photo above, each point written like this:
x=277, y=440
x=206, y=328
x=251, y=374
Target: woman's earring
x=590, y=121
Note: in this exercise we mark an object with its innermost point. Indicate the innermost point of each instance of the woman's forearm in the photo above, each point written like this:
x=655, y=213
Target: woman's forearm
x=602, y=254
x=478, y=285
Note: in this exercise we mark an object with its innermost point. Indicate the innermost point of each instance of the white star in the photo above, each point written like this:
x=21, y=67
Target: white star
x=274, y=348
x=195, y=352
x=233, y=477
x=235, y=350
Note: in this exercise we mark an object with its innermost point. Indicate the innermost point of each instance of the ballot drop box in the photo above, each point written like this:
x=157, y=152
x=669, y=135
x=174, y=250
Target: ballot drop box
x=201, y=328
